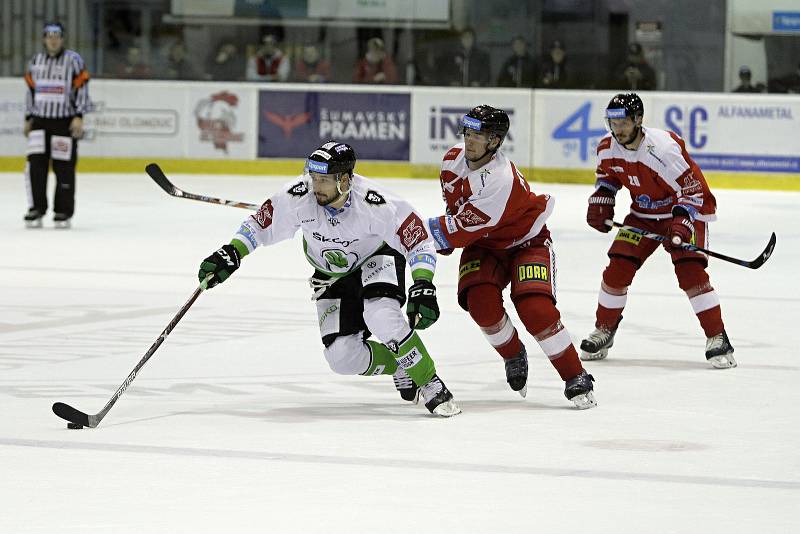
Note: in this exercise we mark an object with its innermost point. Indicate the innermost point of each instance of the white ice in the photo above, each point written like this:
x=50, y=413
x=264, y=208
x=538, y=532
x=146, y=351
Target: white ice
x=238, y=425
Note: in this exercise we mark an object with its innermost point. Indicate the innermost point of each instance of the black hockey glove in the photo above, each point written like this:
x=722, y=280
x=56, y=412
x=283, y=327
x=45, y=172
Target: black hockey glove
x=221, y=264
x=422, y=308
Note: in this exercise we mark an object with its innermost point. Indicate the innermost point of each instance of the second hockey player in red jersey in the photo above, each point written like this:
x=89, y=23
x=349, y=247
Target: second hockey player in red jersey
x=669, y=197
x=493, y=215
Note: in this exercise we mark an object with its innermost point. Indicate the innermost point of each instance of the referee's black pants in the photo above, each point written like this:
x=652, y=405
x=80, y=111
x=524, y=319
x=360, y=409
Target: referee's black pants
x=63, y=167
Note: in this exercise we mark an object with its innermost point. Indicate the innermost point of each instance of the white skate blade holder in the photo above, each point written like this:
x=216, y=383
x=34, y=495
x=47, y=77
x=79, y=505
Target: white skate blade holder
x=723, y=361
x=447, y=409
x=592, y=356
x=584, y=401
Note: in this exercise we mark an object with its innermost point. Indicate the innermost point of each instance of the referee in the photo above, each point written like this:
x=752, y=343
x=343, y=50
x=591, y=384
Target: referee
x=56, y=99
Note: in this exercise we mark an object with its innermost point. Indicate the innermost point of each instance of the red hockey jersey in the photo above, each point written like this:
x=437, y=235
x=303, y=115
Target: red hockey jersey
x=492, y=207
x=660, y=174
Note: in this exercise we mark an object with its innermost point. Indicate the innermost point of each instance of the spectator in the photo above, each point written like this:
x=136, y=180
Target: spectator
x=268, y=64
x=744, y=82
x=178, y=68
x=134, y=65
x=225, y=64
x=635, y=73
x=519, y=70
x=469, y=66
x=554, y=67
x=311, y=67
x=376, y=66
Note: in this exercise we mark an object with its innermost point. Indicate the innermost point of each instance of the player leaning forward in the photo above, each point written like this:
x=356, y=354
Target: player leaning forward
x=358, y=238
x=500, y=223
x=669, y=197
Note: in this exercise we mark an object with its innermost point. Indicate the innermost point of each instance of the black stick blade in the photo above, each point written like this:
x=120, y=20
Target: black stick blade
x=68, y=413
x=764, y=256
x=160, y=178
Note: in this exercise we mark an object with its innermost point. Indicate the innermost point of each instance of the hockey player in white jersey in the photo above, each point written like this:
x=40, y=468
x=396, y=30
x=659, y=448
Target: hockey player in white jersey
x=358, y=238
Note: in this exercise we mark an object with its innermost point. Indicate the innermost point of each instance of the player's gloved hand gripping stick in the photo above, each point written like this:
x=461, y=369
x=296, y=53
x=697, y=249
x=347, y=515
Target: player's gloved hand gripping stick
x=755, y=264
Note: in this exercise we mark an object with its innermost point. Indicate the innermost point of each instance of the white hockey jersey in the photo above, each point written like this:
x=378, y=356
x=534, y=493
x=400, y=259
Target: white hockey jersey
x=337, y=242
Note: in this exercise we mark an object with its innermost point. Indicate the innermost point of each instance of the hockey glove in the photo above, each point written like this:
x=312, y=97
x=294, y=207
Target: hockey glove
x=422, y=308
x=681, y=230
x=601, y=207
x=221, y=264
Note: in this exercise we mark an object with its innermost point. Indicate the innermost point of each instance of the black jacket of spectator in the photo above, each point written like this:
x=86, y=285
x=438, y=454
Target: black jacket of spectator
x=517, y=71
x=635, y=75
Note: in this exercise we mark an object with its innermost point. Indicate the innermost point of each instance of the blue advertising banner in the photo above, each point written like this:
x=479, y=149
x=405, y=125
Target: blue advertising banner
x=291, y=124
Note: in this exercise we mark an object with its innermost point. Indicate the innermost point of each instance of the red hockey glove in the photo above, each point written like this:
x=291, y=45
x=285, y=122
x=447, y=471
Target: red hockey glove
x=681, y=230
x=601, y=207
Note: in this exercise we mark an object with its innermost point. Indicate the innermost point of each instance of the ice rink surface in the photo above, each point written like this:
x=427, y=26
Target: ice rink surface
x=238, y=425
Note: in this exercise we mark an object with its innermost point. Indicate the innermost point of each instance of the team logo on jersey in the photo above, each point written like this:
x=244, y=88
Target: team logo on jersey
x=533, y=272
x=216, y=119
x=373, y=197
x=691, y=184
x=628, y=236
x=471, y=216
x=337, y=260
x=469, y=267
x=412, y=232
x=264, y=215
x=298, y=190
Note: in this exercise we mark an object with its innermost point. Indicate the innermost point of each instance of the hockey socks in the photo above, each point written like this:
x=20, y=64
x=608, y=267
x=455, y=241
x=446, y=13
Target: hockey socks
x=411, y=355
x=383, y=360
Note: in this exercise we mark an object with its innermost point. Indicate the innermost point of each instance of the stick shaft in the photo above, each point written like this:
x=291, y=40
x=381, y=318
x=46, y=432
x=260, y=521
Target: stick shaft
x=158, y=176
x=76, y=416
x=754, y=264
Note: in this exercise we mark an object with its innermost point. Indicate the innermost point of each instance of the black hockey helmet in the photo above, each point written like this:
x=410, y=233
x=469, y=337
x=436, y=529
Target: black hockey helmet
x=625, y=105
x=485, y=118
x=52, y=27
x=332, y=158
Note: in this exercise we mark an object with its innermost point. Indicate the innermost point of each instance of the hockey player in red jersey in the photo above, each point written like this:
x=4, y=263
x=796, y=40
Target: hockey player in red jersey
x=493, y=215
x=670, y=197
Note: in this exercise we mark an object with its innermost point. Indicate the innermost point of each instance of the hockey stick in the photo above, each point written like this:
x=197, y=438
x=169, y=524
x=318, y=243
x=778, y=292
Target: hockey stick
x=163, y=182
x=755, y=264
x=79, y=419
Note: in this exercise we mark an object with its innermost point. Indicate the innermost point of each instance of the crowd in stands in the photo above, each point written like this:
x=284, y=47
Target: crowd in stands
x=463, y=63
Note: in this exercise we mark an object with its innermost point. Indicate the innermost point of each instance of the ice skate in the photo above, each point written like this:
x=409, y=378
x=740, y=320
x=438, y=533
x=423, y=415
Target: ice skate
x=579, y=389
x=719, y=351
x=61, y=221
x=438, y=399
x=409, y=391
x=595, y=347
x=517, y=372
x=33, y=219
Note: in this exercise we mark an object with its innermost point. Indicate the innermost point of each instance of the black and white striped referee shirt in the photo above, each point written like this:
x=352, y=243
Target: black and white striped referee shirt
x=58, y=86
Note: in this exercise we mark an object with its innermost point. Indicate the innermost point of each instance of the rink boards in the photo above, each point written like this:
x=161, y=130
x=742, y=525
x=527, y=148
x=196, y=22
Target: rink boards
x=741, y=141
